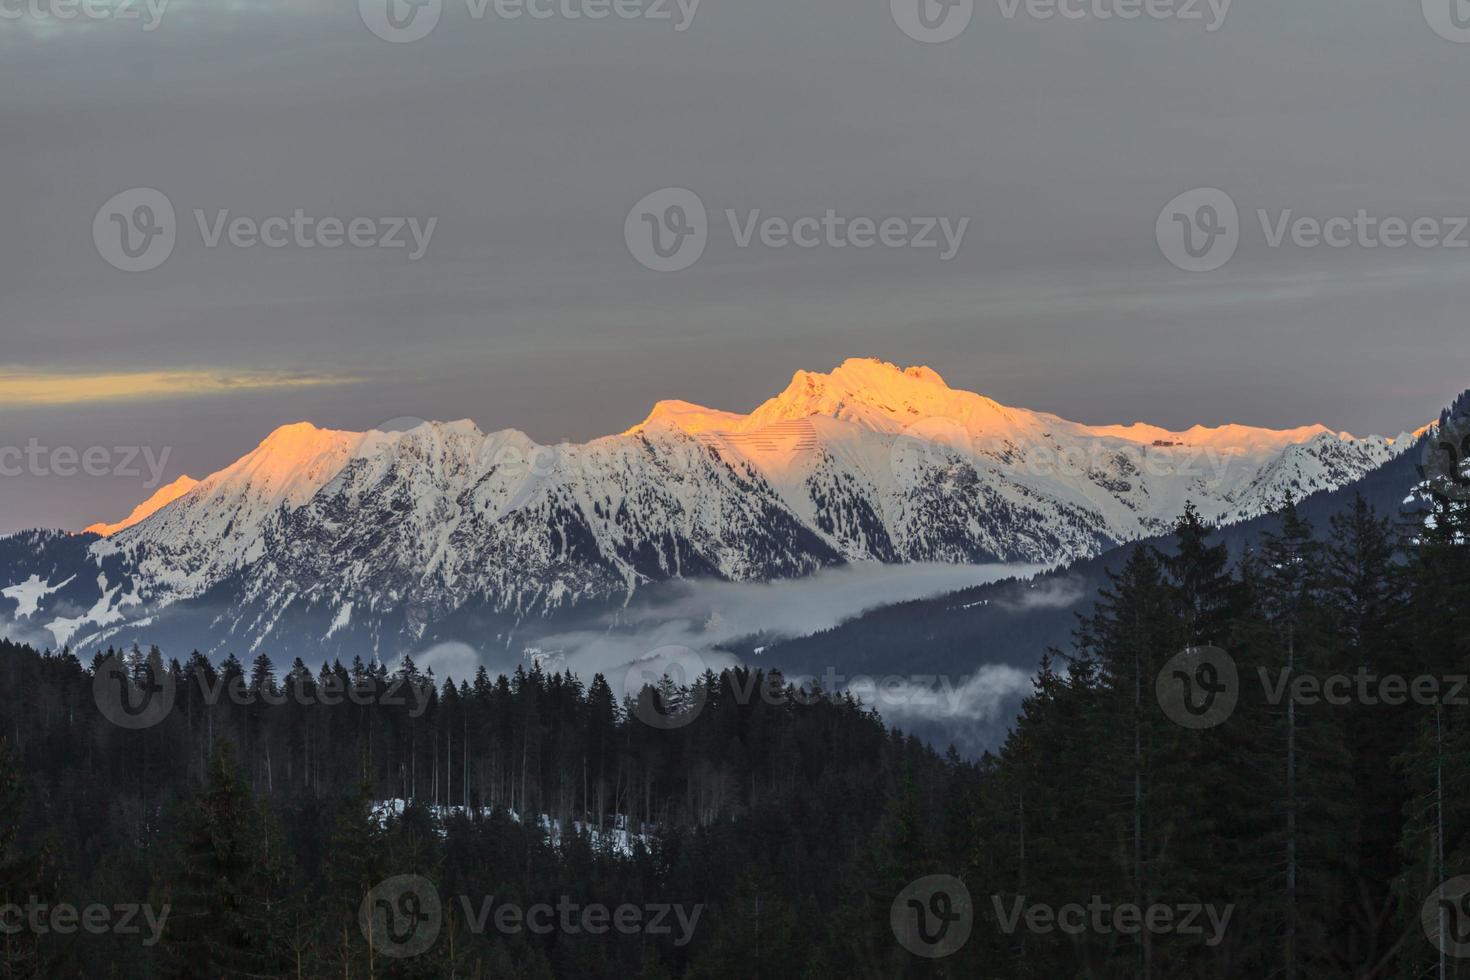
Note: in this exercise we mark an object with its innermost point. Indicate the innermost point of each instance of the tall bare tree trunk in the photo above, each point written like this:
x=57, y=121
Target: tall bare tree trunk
x=1290, y=809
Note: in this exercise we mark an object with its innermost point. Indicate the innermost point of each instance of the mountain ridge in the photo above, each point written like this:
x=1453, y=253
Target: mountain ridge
x=381, y=538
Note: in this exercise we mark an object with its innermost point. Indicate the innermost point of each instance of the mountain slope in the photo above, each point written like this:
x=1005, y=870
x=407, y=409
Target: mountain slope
x=164, y=496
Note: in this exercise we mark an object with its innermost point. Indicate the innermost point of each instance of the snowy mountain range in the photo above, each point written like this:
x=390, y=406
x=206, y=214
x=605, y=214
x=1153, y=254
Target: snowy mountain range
x=326, y=542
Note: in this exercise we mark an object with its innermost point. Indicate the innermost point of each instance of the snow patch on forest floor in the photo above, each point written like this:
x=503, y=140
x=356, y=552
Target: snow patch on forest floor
x=616, y=838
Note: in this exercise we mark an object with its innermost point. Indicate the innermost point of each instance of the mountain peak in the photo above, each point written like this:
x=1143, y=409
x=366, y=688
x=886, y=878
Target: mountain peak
x=292, y=433
x=879, y=395
x=288, y=466
x=872, y=368
x=870, y=373
x=686, y=416
x=876, y=393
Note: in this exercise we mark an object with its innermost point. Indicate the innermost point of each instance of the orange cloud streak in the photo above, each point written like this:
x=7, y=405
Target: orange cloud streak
x=41, y=388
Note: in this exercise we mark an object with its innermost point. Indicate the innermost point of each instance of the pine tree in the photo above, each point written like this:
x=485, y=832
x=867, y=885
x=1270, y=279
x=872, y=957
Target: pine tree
x=222, y=887
x=1435, y=843
x=20, y=879
x=1149, y=802
x=1363, y=596
x=1206, y=593
x=1314, y=795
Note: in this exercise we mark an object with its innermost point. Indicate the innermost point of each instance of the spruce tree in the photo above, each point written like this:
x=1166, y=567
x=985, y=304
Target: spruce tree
x=222, y=885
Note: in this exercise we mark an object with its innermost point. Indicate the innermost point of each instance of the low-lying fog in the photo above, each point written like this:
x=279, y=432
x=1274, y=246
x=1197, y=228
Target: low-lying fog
x=685, y=627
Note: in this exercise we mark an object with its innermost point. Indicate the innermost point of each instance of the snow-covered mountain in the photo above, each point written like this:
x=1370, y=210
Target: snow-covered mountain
x=378, y=541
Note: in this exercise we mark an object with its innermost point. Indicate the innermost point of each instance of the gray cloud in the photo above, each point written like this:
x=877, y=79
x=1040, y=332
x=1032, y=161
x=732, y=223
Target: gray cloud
x=530, y=140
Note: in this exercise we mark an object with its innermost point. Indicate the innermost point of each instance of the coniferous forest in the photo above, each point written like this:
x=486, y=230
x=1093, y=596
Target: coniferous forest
x=1247, y=765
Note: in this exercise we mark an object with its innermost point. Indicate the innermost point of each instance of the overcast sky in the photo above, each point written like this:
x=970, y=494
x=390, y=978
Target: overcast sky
x=528, y=141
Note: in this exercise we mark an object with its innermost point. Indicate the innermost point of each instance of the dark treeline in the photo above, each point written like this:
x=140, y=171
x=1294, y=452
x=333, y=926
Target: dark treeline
x=792, y=820
x=1323, y=825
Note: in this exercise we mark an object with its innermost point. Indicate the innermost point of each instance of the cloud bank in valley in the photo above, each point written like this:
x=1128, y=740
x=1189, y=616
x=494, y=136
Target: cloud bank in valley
x=706, y=616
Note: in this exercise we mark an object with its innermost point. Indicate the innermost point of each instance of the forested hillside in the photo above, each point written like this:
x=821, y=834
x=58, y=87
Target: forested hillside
x=1266, y=760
